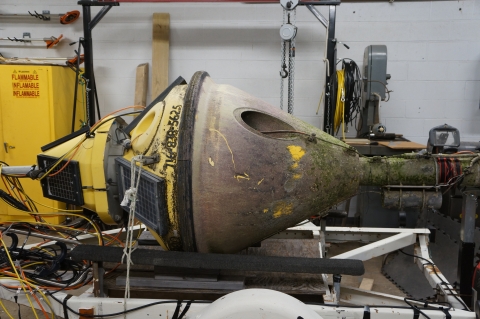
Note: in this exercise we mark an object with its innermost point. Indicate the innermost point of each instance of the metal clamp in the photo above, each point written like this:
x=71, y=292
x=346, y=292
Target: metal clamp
x=149, y=160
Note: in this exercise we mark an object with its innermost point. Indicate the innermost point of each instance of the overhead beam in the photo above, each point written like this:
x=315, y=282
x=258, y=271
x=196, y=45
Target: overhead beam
x=273, y=1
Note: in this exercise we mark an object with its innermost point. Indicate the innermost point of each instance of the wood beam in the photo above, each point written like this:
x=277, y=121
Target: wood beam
x=141, y=86
x=160, y=52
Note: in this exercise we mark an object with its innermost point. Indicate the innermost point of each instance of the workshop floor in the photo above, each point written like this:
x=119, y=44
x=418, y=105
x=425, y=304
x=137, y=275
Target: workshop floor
x=373, y=270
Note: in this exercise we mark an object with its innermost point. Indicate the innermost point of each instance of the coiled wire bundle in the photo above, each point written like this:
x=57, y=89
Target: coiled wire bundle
x=349, y=94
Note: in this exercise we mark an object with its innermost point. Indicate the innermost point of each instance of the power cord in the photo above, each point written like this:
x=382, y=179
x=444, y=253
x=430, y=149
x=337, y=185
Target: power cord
x=440, y=278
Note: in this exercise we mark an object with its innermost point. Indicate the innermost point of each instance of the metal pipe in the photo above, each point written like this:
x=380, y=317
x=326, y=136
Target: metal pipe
x=22, y=232
x=16, y=170
x=410, y=169
x=318, y=15
x=331, y=60
x=88, y=60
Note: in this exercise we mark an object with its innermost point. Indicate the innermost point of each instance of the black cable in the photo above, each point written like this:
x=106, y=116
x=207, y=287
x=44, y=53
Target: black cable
x=415, y=308
x=177, y=309
x=12, y=201
x=443, y=283
x=121, y=312
x=353, y=90
x=185, y=310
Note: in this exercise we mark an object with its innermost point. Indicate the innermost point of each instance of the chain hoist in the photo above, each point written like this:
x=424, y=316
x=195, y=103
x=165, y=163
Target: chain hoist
x=288, y=31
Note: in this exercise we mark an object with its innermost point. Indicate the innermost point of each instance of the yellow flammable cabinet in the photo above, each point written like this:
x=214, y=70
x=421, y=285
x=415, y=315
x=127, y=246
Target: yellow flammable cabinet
x=36, y=108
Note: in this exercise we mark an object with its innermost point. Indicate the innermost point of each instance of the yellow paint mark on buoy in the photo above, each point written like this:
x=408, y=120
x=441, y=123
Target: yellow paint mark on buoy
x=260, y=181
x=242, y=176
x=282, y=209
x=297, y=152
x=226, y=142
x=210, y=161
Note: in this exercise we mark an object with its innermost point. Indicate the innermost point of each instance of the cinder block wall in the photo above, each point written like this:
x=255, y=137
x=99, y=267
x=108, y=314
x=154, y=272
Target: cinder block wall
x=433, y=53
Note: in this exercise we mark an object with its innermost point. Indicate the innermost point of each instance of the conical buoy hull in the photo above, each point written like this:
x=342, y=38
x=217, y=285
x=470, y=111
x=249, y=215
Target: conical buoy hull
x=248, y=170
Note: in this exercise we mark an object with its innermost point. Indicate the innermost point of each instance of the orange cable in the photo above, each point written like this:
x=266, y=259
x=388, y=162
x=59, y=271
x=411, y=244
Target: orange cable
x=122, y=109
x=34, y=296
x=68, y=162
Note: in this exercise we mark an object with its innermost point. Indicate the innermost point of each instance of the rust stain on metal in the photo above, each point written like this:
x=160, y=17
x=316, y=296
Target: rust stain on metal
x=86, y=313
x=432, y=269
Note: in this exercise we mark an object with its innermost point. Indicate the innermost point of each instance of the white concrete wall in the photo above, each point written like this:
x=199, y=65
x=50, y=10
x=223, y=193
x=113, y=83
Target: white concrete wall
x=433, y=53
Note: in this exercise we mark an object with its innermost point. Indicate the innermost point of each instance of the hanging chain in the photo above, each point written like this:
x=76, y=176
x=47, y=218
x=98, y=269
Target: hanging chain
x=291, y=68
x=87, y=90
x=283, y=64
x=288, y=33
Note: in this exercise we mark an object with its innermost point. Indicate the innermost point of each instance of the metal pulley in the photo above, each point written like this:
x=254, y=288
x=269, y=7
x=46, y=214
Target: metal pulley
x=288, y=32
x=289, y=4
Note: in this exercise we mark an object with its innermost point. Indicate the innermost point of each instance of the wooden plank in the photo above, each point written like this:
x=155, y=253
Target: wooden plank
x=402, y=145
x=356, y=141
x=160, y=52
x=366, y=284
x=141, y=86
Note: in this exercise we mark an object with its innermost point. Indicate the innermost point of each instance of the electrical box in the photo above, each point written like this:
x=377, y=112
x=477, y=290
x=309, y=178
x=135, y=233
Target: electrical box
x=375, y=71
x=36, y=108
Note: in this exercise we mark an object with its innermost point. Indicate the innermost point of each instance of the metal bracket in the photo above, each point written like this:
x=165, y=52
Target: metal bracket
x=46, y=15
x=26, y=35
x=149, y=160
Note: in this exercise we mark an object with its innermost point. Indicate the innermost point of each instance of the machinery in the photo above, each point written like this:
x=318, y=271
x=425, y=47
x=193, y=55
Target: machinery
x=374, y=89
x=199, y=188
x=214, y=173
x=211, y=169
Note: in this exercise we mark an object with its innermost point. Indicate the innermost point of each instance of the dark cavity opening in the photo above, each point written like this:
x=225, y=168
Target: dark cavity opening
x=268, y=125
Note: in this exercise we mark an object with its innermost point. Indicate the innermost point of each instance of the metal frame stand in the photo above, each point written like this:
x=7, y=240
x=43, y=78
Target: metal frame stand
x=330, y=71
x=330, y=55
x=466, y=252
x=390, y=240
x=88, y=25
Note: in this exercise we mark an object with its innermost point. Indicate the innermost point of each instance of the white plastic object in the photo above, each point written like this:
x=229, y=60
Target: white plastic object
x=257, y=304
